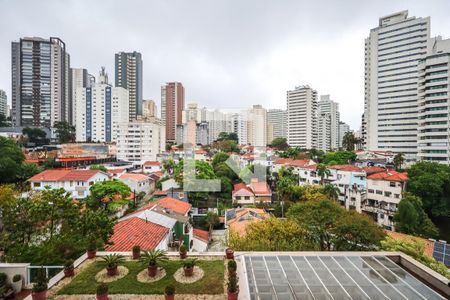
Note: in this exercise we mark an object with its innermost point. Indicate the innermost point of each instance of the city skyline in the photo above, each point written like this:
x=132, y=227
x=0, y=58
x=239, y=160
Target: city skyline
x=247, y=61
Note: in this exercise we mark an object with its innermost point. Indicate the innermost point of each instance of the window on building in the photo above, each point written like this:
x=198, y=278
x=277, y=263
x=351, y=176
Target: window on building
x=392, y=183
x=370, y=191
x=36, y=184
x=397, y=196
x=387, y=194
x=379, y=192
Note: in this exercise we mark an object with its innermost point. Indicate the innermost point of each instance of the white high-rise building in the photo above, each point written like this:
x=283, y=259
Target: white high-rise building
x=277, y=120
x=79, y=78
x=329, y=109
x=99, y=110
x=302, y=117
x=434, y=103
x=3, y=104
x=140, y=141
x=324, y=132
x=257, y=126
x=239, y=125
x=343, y=129
x=392, y=53
x=149, y=109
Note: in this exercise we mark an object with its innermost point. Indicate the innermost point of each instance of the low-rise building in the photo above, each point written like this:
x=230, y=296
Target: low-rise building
x=242, y=195
x=384, y=192
x=237, y=219
x=151, y=167
x=138, y=183
x=75, y=182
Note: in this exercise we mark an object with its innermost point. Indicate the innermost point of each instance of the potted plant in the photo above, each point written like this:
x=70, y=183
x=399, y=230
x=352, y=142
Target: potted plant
x=68, y=268
x=232, y=287
x=102, y=291
x=188, y=266
x=39, y=291
x=169, y=292
x=229, y=253
x=92, y=249
x=17, y=283
x=136, y=252
x=183, y=252
x=3, y=278
x=112, y=261
x=232, y=267
x=152, y=259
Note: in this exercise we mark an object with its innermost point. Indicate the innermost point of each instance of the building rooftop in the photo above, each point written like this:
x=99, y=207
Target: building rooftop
x=65, y=175
x=176, y=205
x=390, y=175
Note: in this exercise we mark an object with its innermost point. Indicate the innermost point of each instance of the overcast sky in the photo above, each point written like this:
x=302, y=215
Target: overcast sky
x=227, y=54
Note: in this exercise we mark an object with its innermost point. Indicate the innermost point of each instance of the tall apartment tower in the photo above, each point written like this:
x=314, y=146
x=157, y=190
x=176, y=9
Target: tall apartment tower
x=302, y=117
x=129, y=76
x=3, y=104
x=434, y=103
x=149, y=109
x=40, y=82
x=324, y=132
x=257, y=126
x=100, y=109
x=392, y=53
x=79, y=79
x=277, y=121
x=330, y=110
x=172, y=106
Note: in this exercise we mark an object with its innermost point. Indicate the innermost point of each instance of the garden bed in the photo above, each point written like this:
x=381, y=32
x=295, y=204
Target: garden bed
x=211, y=283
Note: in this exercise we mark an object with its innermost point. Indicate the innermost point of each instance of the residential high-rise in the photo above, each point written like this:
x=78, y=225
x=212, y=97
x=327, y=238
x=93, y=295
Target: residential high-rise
x=239, y=125
x=3, y=104
x=324, y=132
x=149, y=109
x=392, y=53
x=79, y=78
x=40, y=82
x=257, y=126
x=129, y=76
x=277, y=119
x=434, y=103
x=302, y=117
x=172, y=106
x=99, y=110
x=326, y=106
x=140, y=141
x=343, y=129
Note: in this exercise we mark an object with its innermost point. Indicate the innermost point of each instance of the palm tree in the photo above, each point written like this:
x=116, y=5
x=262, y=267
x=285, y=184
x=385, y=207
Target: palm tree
x=349, y=141
x=331, y=191
x=398, y=161
x=322, y=172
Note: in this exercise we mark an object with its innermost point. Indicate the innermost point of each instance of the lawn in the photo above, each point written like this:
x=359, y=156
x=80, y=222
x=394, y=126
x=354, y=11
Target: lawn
x=211, y=283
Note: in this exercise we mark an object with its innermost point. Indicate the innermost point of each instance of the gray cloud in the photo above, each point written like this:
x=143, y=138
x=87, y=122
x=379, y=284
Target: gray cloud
x=227, y=53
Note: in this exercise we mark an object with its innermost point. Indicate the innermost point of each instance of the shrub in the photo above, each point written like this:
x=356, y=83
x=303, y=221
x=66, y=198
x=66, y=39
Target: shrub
x=68, y=264
x=232, y=284
x=189, y=263
x=17, y=278
x=169, y=290
x=232, y=265
x=113, y=260
x=154, y=257
x=136, y=249
x=92, y=245
x=183, y=249
x=102, y=289
x=2, y=279
x=41, y=281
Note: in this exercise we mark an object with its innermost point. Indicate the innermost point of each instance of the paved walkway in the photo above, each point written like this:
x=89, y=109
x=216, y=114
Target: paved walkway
x=218, y=243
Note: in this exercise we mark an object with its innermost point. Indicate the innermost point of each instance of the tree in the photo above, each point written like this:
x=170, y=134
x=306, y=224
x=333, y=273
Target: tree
x=36, y=136
x=8, y=195
x=98, y=167
x=431, y=182
x=108, y=191
x=226, y=146
x=322, y=172
x=398, y=161
x=279, y=143
x=412, y=219
x=292, y=152
x=65, y=132
x=225, y=136
x=271, y=235
x=334, y=228
x=338, y=158
x=219, y=158
x=331, y=191
x=3, y=121
x=349, y=141
x=10, y=160
x=212, y=219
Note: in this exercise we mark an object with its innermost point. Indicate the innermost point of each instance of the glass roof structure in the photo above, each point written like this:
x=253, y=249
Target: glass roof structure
x=285, y=277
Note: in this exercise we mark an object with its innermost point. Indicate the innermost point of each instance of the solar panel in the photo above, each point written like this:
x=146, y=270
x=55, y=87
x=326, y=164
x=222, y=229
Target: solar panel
x=441, y=252
x=331, y=277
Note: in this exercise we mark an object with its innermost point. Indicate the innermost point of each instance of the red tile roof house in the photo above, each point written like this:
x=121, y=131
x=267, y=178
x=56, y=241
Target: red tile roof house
x=76, y=182
x=169, y=213
x=384, y=192
x=201, y=240
x=151, y=167
x=242, y=195
x=262, y=191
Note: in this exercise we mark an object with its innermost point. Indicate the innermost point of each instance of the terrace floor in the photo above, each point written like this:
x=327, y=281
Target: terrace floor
x=83, y=285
